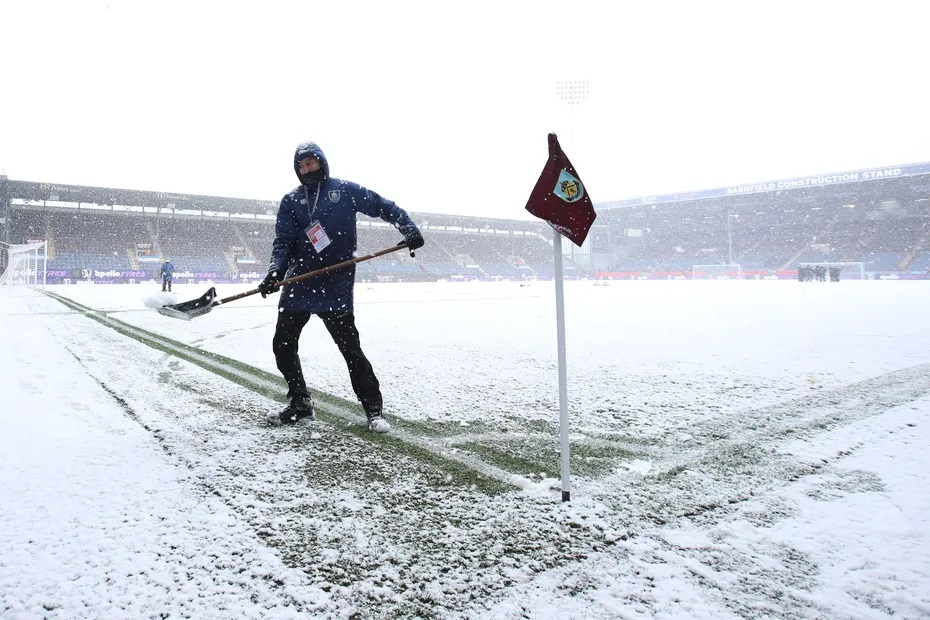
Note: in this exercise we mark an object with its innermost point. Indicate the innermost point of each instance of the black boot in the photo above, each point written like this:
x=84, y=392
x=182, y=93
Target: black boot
x=299, y=409
x=375, y=415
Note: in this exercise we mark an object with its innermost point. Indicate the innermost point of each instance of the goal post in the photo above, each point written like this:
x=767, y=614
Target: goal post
x=846, y=270
x=25, y=263
x=717, y=272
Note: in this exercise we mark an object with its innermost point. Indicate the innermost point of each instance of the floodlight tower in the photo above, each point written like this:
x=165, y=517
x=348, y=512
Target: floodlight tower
x=572, y=92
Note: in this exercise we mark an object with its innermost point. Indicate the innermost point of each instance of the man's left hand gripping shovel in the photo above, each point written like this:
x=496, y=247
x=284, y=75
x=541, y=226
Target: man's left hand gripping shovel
x=208, y=301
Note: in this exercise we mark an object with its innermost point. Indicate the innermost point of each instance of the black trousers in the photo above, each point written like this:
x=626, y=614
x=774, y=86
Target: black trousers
x=341, y=327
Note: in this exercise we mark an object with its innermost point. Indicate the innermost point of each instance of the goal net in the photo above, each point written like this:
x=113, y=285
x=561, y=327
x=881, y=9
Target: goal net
x=24, y=264
x=827, y=272
x=716, y=272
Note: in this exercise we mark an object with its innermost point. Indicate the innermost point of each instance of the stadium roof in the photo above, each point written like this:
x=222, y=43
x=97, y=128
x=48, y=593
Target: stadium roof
x=821, y=180
x=30, y=194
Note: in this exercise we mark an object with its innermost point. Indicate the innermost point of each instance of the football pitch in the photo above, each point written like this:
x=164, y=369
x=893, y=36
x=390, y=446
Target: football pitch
x=692, y=405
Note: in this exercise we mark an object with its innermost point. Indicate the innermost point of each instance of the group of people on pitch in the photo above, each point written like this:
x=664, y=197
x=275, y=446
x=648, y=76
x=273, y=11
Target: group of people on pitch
x=811, y=273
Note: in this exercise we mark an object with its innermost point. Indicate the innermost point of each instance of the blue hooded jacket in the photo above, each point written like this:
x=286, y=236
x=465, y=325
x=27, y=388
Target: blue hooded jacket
x=167, y=270
x=334, y=204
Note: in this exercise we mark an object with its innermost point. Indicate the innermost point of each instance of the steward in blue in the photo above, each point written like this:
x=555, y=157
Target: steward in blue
x=167, y=272
x=315, y=229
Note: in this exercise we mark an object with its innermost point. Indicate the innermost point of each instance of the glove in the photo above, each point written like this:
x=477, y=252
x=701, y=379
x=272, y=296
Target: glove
x=270, y=284
x=414, y=240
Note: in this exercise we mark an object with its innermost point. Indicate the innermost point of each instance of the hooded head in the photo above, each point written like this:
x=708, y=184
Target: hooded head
x=167, y=260
x=311, y=149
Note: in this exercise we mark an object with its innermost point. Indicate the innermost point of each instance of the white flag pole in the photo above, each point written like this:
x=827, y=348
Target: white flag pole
x=563, y=370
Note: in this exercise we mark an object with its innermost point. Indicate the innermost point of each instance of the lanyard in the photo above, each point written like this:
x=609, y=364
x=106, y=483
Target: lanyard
x=316, y=197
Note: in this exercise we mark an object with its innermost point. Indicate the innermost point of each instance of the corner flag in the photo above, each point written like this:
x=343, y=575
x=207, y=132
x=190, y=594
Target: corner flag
x=560, y=197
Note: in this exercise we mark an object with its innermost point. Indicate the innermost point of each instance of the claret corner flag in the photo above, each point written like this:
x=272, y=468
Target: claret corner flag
x=560, y=197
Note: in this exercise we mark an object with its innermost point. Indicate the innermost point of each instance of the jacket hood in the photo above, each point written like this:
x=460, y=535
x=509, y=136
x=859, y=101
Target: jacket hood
x=311, y=149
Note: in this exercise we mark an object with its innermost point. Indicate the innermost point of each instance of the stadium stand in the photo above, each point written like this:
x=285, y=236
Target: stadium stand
x=878, y=218
x=110, y=235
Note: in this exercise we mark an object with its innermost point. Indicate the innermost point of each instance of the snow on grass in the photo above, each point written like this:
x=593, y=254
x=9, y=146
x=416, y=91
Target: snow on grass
x=740, y=449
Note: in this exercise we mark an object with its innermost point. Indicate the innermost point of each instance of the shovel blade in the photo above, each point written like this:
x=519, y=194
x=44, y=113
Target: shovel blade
x=191, y=309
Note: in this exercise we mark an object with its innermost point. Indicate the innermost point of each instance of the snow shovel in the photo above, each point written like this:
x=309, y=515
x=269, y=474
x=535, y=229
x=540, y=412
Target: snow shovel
x=208, y=301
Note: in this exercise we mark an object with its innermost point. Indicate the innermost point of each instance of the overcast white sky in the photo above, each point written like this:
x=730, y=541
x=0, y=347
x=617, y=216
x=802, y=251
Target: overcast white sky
x=445, y=106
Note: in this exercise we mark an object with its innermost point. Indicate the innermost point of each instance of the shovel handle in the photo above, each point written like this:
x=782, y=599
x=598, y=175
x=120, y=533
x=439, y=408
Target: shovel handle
x=346, y=263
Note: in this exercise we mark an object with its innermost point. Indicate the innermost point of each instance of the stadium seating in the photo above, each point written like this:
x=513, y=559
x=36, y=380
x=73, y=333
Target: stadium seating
x=202, y=248
x=767, y=233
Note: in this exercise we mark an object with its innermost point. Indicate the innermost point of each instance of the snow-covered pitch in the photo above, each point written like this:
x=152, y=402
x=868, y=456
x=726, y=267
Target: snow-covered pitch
x=739, y=449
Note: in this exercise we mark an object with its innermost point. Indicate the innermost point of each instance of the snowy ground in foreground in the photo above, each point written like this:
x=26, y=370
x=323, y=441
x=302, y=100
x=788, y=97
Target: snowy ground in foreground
x=783, y=469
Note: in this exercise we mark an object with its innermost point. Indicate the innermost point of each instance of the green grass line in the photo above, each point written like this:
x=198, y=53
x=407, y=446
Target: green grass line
x=273, y=387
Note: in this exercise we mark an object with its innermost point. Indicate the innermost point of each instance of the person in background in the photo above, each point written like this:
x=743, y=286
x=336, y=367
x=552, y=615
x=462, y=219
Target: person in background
x=316, y=228
x=167, y=273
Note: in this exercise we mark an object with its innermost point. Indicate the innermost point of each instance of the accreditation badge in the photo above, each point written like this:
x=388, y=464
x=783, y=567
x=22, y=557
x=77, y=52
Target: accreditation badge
x=317, y=236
